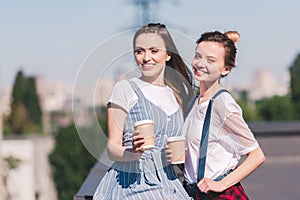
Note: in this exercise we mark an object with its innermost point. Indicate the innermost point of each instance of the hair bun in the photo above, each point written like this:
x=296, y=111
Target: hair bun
x=233, y=35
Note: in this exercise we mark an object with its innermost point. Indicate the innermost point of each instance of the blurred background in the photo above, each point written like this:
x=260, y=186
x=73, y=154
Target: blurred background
x=44, y=44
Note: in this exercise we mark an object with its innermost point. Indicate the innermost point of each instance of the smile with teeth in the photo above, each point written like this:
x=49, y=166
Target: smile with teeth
x=199, y=69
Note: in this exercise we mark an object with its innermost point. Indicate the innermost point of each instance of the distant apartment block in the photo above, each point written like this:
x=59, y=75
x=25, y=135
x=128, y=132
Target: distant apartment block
x=264, y=84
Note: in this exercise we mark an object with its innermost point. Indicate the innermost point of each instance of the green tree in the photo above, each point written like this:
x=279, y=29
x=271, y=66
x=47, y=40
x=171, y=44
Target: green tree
x=18, y=91
x=31, y=100
x=70, y=162
x=276, y=108
x=249, y=111
x=101, y=112
x=26, y=113
x=295, y=84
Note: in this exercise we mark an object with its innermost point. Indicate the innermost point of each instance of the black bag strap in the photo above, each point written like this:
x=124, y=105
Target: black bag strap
x=204, y=137
x=218, y=93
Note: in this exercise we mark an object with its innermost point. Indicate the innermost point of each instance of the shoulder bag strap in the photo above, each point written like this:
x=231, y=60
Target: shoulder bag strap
x=204, y=137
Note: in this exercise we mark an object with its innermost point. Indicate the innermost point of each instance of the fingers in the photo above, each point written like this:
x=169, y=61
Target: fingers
x=168, y=153
x=137, y=141
x=204, y=185
x=136, y=133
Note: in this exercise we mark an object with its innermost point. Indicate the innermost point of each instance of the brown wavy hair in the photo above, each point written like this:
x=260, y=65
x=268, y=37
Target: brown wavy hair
x=177, y=75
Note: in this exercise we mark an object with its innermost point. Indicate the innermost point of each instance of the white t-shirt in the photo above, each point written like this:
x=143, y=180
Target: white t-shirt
x=163, y=97
x=229, y=138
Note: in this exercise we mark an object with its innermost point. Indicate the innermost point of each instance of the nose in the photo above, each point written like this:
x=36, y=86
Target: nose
x=200, y=62
x=147, y=56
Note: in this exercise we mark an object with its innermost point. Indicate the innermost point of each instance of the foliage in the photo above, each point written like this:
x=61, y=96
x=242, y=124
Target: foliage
x=12, y=162
x=102, y=118
x=276, y=108
x=26, y=113
x=249, y=111
x=295, y=84
x=70, y=162
x=31, y=101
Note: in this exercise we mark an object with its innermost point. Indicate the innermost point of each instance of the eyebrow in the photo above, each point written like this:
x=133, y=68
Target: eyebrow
x=154, y=47
x=150, y=48
x=207, y=56
x=212, y=57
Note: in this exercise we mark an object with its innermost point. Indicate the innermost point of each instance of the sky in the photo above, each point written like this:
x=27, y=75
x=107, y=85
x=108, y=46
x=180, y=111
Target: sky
x=51, y=39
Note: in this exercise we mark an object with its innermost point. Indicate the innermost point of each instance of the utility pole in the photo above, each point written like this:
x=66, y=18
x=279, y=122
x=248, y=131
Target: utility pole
x=144, y=9
x=148, y=11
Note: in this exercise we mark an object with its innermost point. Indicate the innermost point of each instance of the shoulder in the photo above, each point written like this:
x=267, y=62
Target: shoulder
x=122, y=84
x=227, y=101
x=123, y=87
x=122, y=94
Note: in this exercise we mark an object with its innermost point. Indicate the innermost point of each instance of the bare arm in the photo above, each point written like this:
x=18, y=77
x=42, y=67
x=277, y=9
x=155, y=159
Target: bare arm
x=236, y=125
x=116, y=121
x=254, y=159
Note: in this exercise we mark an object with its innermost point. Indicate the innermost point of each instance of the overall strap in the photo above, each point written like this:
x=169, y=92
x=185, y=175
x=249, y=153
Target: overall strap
x=204, y=137
x=136, y=88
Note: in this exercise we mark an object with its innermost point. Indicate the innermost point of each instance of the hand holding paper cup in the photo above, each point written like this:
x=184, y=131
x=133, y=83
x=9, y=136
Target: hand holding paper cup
x=177, y=146
x=146, y=128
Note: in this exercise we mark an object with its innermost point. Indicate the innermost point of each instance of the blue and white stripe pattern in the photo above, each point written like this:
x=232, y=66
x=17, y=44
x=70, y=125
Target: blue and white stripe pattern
x=150, y=177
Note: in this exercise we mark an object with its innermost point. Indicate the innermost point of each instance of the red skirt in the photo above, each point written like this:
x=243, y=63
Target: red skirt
x=235, y=192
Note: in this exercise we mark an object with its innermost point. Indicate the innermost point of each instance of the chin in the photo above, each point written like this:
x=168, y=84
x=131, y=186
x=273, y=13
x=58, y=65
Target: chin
x=198, y=78
x=148, y=73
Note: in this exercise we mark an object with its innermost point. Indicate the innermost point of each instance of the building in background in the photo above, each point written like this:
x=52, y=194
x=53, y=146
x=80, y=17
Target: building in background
x=264, y=85
x=31, y=178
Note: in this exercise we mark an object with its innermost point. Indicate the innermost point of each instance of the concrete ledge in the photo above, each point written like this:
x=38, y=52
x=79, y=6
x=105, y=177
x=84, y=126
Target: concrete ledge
x=279, y=140
x=279, y=128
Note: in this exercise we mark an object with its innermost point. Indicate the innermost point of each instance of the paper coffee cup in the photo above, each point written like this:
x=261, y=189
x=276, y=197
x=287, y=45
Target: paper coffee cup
x=146, y=128
x=177, y=146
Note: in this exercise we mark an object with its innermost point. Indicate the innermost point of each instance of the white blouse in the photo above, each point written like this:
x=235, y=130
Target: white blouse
x=229, y=138
x=123, y=95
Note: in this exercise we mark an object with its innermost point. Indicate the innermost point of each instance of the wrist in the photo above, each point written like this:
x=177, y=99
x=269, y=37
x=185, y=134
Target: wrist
x=223, y=185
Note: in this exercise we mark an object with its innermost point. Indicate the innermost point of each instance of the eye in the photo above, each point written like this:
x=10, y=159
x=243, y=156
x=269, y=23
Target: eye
x=138, y=51
x=209, y=60
x=197, y=56
x=154, y=50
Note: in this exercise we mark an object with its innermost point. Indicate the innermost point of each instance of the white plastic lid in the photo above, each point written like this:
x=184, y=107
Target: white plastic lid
x=175, y=138
x=148, y=121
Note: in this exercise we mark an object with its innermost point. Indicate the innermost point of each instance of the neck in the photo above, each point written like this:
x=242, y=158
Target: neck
x=157, y=81
x=159, y=84
x=208, y=90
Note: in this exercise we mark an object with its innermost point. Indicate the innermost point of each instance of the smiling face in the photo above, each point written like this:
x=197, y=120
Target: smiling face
x=151, y=55
x=208, y=63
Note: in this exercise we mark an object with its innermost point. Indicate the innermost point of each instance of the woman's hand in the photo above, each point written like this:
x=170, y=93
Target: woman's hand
x=206, y=185
x=168, y=153
x=137, y=141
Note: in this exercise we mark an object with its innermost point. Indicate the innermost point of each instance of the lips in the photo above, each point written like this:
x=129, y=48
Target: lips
x=199, y=70
x=146, y=67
